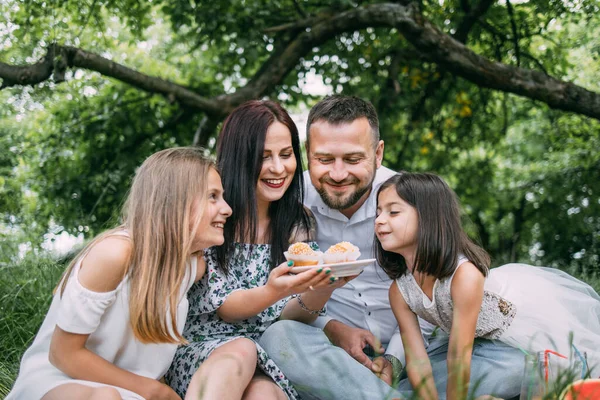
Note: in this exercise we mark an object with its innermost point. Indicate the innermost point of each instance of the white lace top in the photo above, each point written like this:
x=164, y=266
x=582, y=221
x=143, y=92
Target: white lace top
x=495, y=316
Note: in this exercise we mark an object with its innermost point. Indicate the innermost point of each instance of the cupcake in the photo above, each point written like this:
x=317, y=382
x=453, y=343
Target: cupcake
x=341, y=252
x=302, y=254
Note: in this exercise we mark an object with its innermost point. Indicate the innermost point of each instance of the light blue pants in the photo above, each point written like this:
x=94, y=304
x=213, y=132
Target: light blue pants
x=320, y=370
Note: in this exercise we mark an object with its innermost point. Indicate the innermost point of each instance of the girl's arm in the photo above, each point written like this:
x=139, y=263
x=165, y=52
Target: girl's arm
x=69, y=354
x=243, y=304
x=467, y=295
x=101, y=271
x=418, y=366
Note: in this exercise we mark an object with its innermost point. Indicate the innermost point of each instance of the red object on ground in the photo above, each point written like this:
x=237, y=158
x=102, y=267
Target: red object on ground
x=585, y=389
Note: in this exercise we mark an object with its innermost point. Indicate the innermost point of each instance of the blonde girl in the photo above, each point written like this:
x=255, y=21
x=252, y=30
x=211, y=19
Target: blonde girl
x=117, y=315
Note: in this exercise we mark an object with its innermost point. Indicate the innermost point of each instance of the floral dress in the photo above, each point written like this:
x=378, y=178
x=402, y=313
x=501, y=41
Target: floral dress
x=205, y=331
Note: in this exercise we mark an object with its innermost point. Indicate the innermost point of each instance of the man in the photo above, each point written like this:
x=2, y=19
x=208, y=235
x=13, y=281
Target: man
x=356, y=348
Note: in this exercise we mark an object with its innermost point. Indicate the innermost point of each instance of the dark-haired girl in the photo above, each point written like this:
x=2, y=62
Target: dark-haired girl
x=444, y=278
x=247, y=285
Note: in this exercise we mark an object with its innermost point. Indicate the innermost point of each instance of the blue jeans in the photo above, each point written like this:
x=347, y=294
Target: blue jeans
x=320, y=370
x=496, y=368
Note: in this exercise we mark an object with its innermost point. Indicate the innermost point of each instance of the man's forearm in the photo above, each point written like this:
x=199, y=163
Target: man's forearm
x=331, y=327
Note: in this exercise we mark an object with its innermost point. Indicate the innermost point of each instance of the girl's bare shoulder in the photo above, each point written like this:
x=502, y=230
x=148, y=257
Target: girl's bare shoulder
x=467, y=270
x=105, y=264
x=466, y=278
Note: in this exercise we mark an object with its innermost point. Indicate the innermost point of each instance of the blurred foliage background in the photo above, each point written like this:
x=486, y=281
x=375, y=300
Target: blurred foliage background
x=528, y=174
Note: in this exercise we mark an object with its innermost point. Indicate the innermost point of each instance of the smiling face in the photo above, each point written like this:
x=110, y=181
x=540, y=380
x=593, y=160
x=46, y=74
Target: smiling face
x=278, y=166
x=343, y=160
x=216, y=210
x=397, y=224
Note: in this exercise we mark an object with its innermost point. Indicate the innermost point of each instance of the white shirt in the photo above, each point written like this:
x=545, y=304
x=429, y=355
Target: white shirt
x=105, y=317
x=364, y=301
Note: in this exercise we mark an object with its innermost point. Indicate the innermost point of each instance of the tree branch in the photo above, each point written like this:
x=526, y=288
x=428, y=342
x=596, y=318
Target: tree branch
x=418, y=108
x=303, y=23
x=535, y=60
x=515, y=33
x=299, y=9
x=433, y=45
x=429, y=42
x=471, y=17
x=87, y=19
x=41, y=71
x=27, y=75
x=458, y=59
x=206, y=129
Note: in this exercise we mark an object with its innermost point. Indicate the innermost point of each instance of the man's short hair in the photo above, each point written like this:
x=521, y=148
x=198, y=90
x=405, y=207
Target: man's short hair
x=338, y=109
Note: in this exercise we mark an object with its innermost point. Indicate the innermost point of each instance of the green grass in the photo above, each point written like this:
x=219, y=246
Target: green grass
x=25, y=295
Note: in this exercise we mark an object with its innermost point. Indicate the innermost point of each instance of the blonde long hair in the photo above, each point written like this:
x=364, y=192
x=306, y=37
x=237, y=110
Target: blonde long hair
x=158, y=216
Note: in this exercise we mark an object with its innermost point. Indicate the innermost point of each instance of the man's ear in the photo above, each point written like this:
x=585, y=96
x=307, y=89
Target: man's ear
x=379, y=153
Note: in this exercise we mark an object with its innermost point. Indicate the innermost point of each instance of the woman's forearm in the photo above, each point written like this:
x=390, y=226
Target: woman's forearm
x=313, y=300
x=247, y=303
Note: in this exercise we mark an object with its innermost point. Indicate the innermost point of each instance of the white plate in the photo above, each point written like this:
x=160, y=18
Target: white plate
x=340, y=269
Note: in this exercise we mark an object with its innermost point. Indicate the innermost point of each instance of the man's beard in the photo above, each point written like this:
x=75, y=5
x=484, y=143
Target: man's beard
x=339, y=203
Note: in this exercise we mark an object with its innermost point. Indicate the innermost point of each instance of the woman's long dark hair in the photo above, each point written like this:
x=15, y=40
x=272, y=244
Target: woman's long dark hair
x=240, y=149
x=440, y=236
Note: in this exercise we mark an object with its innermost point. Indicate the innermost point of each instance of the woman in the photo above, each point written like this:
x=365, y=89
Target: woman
x=244, y=291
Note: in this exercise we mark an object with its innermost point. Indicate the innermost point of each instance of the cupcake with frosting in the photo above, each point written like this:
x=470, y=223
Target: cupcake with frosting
x=341, y=252
x=302, y=255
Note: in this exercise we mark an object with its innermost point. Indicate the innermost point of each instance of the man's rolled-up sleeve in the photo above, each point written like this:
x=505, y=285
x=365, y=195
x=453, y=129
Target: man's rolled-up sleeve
x=321, y=321
x=396, y=348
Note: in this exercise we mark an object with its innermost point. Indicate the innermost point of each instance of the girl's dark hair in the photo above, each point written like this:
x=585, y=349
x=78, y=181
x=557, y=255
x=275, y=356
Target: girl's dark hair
x=440, y=236
x=239, y=158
